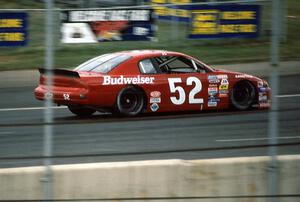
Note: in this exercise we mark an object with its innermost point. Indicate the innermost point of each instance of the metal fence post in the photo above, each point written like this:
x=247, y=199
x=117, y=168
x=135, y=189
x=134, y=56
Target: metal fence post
x=284, y=20
x=273, y=112
x=48, y=113
x=174, y=21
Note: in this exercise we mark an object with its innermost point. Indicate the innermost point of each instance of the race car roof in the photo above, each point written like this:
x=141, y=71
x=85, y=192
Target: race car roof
x=143, y=53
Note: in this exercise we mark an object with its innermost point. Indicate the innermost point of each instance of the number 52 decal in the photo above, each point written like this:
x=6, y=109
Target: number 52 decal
x=182, y=96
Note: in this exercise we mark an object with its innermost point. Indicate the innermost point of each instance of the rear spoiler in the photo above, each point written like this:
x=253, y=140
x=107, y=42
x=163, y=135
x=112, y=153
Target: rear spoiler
x=60, y=72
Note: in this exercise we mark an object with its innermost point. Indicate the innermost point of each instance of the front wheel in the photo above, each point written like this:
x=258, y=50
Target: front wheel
x=81, y=111
x=243, y=95
x=130, y=101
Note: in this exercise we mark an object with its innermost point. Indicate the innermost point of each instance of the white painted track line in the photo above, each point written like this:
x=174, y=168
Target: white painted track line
x=257, y=139
x=62, y=107
x=286, y=96
x=29, y=108
x=6, y=132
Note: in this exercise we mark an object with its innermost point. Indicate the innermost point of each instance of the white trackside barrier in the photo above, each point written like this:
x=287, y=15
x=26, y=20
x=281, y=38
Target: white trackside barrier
x=159, y=178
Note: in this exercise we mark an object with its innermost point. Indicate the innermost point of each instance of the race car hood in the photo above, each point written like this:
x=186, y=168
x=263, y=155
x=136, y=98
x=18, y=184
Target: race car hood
x=237, y=74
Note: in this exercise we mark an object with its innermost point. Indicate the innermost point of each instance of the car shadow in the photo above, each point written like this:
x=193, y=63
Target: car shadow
x=108, y=117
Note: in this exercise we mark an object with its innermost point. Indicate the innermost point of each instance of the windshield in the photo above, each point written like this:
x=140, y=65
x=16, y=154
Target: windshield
x=103, y=63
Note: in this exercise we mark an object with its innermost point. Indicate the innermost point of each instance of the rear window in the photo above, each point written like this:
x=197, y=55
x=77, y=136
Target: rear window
x=103, y=63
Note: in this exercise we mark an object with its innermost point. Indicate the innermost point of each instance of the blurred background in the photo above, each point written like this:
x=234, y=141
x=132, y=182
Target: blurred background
x=171, y=35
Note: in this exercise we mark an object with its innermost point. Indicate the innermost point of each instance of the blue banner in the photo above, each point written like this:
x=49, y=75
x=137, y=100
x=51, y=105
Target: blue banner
x=107, y=25
x=211, y=21
x=173, y=9
x=13, y=29
x=224, y=21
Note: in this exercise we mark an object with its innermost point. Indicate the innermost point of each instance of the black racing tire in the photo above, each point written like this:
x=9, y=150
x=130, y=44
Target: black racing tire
x=243, y=95
x=130, y=101
x=81, y=111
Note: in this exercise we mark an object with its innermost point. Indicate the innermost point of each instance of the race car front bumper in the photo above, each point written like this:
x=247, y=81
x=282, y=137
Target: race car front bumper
x=264, y=97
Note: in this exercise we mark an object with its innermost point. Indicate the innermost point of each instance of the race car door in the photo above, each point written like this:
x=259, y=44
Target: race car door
x=183, y=82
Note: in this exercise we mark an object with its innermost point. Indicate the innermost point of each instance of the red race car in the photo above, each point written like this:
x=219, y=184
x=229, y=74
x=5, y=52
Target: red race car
x=133, y=82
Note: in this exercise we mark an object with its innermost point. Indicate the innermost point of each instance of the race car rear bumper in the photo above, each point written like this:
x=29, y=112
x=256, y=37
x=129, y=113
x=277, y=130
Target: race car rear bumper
x=62, y=95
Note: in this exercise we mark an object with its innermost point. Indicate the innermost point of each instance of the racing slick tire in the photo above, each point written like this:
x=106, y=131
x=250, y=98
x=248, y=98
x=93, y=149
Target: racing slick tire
x=243, y=95
x=81, y=111
x=130, y=101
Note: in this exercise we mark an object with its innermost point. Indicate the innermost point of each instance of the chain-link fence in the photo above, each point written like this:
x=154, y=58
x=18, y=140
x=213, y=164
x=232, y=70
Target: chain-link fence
x=170, y=35
x=105, y=138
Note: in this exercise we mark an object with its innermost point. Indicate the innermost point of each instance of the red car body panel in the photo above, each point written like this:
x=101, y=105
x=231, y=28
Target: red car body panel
x=201, y=91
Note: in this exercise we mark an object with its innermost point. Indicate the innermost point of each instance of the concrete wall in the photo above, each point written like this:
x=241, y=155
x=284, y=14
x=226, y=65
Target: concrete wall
x=161, y=178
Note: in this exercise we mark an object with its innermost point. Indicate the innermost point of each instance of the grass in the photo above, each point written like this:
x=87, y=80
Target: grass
x=210, y=51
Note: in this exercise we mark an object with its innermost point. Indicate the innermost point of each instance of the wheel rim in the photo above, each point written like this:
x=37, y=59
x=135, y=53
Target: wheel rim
x=243, y=94
x=130, y=102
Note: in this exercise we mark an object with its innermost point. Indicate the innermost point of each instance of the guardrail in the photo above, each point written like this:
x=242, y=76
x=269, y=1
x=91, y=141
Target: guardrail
x=162, y=180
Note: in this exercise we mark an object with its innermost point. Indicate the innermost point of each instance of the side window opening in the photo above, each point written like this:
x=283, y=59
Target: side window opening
x=174, y=64
x=200, y=67
x=163, y=63
x=169, y=65
x=146, y=67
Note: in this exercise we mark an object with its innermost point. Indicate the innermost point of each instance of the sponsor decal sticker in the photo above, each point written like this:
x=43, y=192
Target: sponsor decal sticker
x=155, y=94
x=223, y=95
x=222, y=76
x=262, y=97
x=212, y=85
x=66, y=96
x=155, y=100
x=223, y=87
x=213, y=79
x=262, y=89
x=243, y=76
x=223, y=91
x=224, y=82
x=264, y=105
x=108, y=80
x=212, y=91
x=212, y=104
x=155, y=97
x=154, y=107
x=213, y=99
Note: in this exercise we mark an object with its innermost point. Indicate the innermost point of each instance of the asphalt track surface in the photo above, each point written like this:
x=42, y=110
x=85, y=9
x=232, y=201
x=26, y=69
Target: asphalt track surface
x=103, y=138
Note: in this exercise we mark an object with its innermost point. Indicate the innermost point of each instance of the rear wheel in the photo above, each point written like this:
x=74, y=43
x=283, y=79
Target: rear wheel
x=243, y=95
x=81, y=111
x=130, y=101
